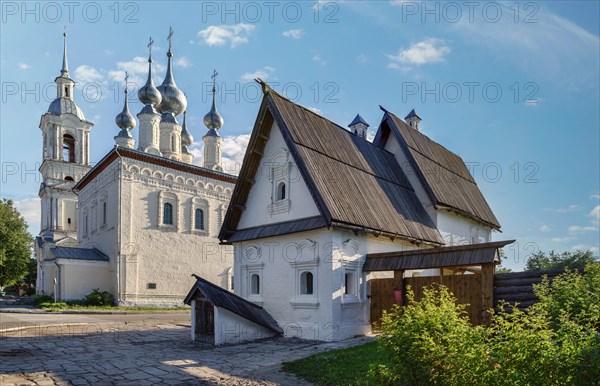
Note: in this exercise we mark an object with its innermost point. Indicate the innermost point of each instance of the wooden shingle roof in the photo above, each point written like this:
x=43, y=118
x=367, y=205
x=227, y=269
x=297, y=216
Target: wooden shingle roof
x=443, y=174
x=353, y=182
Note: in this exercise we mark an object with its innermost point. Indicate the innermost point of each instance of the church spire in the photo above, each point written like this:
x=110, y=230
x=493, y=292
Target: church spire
x=212, y=139
x=64, y=72
x=213, y=119
x=125, y=121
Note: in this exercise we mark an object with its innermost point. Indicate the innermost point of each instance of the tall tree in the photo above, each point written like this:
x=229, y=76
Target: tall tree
x=565, y=260
x=15, y=244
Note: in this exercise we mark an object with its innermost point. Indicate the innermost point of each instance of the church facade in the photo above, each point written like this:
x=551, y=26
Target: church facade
x=143, y=218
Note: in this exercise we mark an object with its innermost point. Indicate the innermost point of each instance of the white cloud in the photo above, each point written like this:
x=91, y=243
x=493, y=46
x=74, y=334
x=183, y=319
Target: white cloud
x=24, y=66
x=137, y=68
x=584, y=247
x=595, y=197
x=362, y=59
x=235, y=34
x=316, y=110
x=575, y=229
x=183, y=62
x=567, y=209
x=317, y=58
x=398, y=3
x=427, y=51
x=264, y=74
x=293, y=33
x=30, y=209
x=88, y=74
x=545, y=228
x=562, y=239
x=396, y=66
x=595, y=214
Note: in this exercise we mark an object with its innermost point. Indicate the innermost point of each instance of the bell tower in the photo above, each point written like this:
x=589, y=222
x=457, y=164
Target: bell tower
x=66, y=157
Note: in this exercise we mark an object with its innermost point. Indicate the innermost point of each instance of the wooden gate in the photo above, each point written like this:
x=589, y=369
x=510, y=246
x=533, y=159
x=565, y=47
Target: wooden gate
x=382, y=299
x=205, y=321
x=466, y=288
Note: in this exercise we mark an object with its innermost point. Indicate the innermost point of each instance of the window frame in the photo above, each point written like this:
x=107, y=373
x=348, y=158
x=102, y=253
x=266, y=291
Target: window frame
x=168, y=198
x=202, y=204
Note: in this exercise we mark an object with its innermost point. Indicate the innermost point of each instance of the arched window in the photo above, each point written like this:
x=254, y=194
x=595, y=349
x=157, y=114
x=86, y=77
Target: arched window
x=254, y=284
x=306, y=283
x=167, y=214
x=199, y=219
x=104, y=213
x=281, y=191
x=67, y=92
x=69, y=178
x=172, y=143
x=68, y=148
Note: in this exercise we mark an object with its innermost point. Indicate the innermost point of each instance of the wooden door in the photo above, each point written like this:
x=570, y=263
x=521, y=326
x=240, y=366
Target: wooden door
x=205, y=321
x=382, y=299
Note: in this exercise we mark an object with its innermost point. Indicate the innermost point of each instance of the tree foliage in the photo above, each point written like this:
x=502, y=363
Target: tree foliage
x=555, y=342
x=566, y=260
x=15, y=245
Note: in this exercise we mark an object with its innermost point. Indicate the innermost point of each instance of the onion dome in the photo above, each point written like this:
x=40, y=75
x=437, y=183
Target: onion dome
x=63, y=105
x=213, y=120
x=125, y=120
x=186, y=136
x=173, y=99
x=148, y=94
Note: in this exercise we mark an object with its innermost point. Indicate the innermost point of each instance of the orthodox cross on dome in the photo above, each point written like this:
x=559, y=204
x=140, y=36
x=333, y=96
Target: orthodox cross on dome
x=126, y=79
x=150, y=43
x=214, y=78
x=170, y=37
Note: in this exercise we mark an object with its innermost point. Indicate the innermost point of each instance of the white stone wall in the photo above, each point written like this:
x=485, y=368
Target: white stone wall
x=458, y=230
x=300, y=203
x=79, y=278
x=144, y=252
x=230, y=328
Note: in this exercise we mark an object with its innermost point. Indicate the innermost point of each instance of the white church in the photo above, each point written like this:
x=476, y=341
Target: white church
x=143, y=218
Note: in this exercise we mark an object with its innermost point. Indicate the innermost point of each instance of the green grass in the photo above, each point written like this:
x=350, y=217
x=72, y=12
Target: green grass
x=80, y=306
x=338, y=367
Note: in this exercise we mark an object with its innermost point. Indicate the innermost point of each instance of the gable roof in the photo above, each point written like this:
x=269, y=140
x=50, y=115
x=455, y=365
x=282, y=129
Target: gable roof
x=358, y=119
x=90, y=254
x=117, y=152
x=220, y=297
x=353, y=183
x=453, y=256
x=442, y=173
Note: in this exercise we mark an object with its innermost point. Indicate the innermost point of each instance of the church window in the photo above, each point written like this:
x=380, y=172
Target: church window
x=86, y=225
x=306, y=283
x=199, y=219
x=349, y=283
x=68, y=148
x=255, y=284
x=281, y=191
x=104, y=213
x=69, y=178
x=67, y=92
x=167, y=214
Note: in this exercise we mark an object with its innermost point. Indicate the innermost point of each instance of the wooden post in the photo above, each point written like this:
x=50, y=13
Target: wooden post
x=487, y=291
x=398, y=279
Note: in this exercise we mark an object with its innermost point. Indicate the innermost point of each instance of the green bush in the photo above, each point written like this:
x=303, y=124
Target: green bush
x=99, y=298
x=39, y=299
x=556, y=342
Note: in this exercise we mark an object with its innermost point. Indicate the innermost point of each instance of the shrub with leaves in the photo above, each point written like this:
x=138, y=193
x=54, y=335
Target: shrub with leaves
x=99, y=298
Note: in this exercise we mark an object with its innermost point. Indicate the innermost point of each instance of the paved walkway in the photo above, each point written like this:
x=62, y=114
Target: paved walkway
x=138, y=353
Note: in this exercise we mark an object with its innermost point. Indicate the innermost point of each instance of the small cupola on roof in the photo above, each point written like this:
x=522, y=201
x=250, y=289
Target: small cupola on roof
x=212, y=140
x=359, y=126
x=186, y=140
x=148, y=94
x=125, y=121
x=212, y=119
x=413, y=119
x=173, y=101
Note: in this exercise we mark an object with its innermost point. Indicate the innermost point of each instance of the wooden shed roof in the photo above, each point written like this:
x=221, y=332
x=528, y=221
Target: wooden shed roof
x=443, y=174
x=352, y=181
x=454, y=256
x=220, y=297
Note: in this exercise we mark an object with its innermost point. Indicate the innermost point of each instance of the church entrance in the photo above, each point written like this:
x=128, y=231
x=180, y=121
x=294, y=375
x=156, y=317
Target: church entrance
x=205, y=321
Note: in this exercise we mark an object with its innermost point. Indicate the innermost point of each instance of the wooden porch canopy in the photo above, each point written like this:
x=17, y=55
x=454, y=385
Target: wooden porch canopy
x=459, y=255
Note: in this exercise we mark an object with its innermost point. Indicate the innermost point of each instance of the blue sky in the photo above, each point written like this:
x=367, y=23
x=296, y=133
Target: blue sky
x=513, y=89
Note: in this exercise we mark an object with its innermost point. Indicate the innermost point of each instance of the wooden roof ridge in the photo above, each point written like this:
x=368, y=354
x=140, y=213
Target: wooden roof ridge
x=471, y=180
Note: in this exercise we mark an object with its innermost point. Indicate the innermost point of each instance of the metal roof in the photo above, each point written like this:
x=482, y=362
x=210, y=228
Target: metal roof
x=444, y=175
x=92, y=254
x=277, y=229
x=220, y=297
x=352, y=181
x=459, y=255
x=412, y=114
